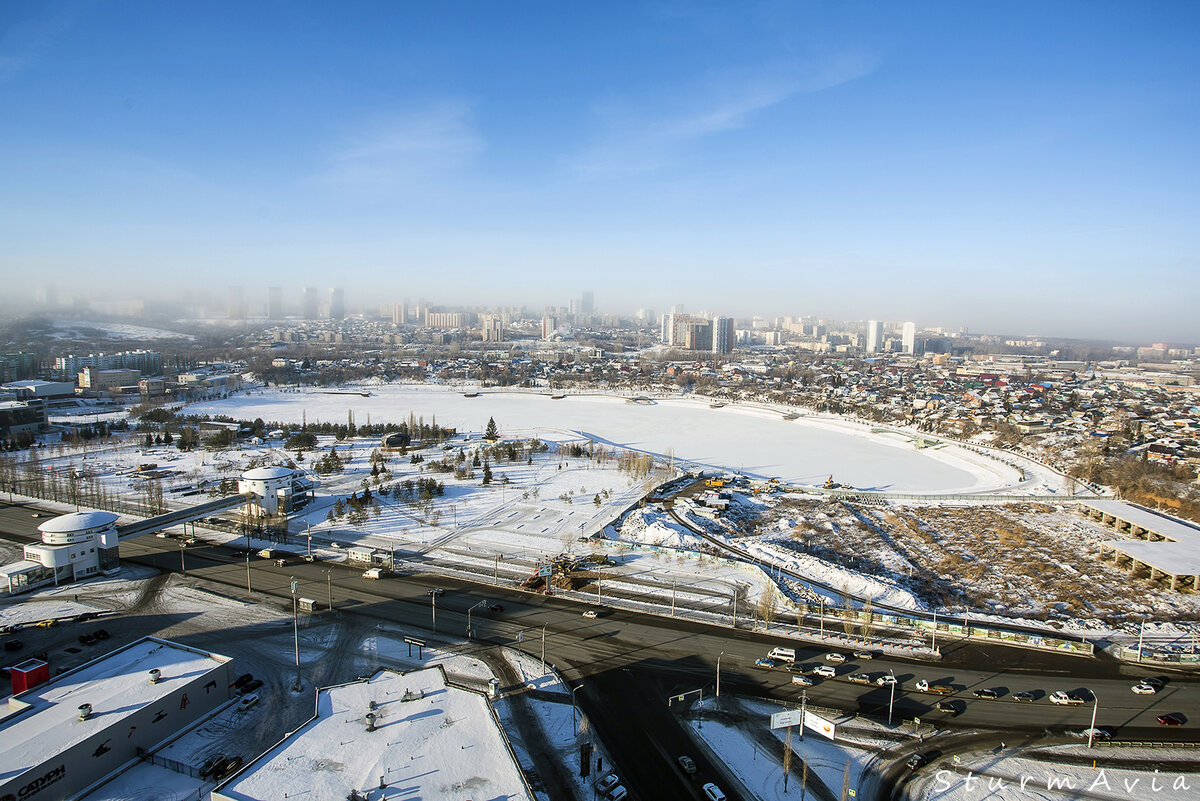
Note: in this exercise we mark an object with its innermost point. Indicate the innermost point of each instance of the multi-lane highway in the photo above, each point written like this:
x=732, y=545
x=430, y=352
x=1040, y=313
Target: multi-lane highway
x=629, y=663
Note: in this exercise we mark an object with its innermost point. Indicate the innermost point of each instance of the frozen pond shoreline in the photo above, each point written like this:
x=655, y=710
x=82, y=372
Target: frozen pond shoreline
x=747, y=439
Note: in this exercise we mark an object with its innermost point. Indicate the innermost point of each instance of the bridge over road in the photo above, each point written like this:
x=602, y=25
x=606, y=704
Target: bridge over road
x=179, y=516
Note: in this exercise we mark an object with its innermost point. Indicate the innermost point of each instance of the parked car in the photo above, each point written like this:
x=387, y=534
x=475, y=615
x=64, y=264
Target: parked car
x=1098, y=733
x=13, y=645
x=230, y=767
x=1144, y=689
x=250, y=686
x=210, y=764
x=1171, y=719
x=617, y=793
x=712, y=792
x=834, y=656
x=986, y=692
x=688, y=766
x=1024, y=696
x=248, y=701
x=241, y=680
x=1064, y=698
x=608, y=782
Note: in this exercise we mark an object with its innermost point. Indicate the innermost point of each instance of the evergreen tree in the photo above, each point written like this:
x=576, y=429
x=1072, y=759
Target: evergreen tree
x=491, y=433
x=487, y=472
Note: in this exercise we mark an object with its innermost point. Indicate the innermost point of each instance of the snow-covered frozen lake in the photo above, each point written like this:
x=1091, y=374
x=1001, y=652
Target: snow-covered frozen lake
x=755, y=441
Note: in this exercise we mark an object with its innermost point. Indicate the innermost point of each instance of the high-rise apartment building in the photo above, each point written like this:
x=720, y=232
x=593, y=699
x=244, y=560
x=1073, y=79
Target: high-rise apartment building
x=874, y=335
x=493, y=329
x=549, y=326
x=587, y=303
x=309, y=303
x=337, y=303
x=722, y=335
x=908, y=337
x=399, y=314
x=275, y=303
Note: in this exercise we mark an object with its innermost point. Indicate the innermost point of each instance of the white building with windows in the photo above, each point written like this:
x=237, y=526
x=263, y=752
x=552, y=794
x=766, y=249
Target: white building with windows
x=74, y=546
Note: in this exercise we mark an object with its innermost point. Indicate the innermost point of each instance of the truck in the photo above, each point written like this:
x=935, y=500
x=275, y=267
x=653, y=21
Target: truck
x=940, y=689
x=265, y=553
x=374, y=573
x=1070, y=699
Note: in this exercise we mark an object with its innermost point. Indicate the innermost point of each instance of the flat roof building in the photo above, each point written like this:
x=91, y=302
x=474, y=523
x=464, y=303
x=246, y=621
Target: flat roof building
x=68, y=735
x=414, y=731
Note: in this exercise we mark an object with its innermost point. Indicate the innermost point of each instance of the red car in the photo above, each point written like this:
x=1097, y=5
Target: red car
x=495, y=607
x=1171, y=719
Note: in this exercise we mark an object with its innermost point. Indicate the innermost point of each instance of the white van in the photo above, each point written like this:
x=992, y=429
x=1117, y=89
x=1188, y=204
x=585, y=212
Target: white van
x=783, y=654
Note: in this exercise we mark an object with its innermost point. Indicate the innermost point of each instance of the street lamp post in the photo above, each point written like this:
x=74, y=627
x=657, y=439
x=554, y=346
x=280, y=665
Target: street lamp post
x=574, y=722
x=719, y=673
x=182, y=566
x=673, y=582
x=1095, y=709
x=433, y=608
x=496, y=571
x=296, y=632
x=248, y=589
x=892, y=699
x=543, y=650
x=476, y=606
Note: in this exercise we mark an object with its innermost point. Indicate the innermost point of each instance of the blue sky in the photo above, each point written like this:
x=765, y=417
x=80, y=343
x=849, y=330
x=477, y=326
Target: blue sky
x=1016, y=167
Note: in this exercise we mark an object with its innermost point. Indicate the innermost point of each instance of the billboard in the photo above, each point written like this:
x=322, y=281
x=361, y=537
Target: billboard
x=790, y=717
x=819, y=724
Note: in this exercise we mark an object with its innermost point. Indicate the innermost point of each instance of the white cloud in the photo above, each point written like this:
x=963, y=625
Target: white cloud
x=404, y=147
x=635, y=139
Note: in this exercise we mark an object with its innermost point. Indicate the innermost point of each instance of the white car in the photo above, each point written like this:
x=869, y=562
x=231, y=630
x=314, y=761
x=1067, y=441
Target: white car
x=712, y=792
x=607, y=783
x=828, y=671
x=1144, y=689
x=834, y=656
x=884, y=681
x=798, y=679
x=590, y=614
x=247, y=701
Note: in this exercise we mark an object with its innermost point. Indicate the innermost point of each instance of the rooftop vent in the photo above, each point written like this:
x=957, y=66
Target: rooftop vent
x=85, y=711
x=372, y=707
x=155, y=676
x=370, y=721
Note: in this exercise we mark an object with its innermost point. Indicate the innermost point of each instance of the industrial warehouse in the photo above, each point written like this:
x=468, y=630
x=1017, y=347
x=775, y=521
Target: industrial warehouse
x=60, y=738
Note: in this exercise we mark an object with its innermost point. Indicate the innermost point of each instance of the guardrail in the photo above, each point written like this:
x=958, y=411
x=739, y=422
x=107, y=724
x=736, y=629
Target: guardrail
x=1144, y=744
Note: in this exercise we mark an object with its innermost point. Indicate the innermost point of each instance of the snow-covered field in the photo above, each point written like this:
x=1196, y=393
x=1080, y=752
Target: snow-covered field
x=752, y=440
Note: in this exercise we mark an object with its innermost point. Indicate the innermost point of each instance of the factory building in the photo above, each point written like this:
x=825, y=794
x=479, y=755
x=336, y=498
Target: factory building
x=411, y=735
x=63, y=737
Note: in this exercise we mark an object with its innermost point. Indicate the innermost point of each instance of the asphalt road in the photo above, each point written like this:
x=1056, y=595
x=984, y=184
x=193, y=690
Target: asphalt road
x=628, y=663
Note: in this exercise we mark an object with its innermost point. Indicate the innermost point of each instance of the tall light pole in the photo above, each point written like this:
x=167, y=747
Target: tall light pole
x=1095, y=709
x=433, y=607
x=496, y=571
x=329, y=585
x=574, y=722
x=719, y=673
x=892, y=699
x=296, y=632
x=476, y=606
x=673, y=581
x=183, y=567
x=933, y=646
x=248, y=589
x=543, y=650
x=599, y=578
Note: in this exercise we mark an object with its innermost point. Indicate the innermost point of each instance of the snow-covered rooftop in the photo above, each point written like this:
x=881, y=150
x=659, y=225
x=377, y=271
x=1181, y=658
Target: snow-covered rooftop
x=444, y=742
x=43, y=722
x=267, y=473
x=77, y=521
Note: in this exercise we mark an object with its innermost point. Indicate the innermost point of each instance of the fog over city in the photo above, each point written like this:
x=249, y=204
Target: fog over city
x=1021, y=170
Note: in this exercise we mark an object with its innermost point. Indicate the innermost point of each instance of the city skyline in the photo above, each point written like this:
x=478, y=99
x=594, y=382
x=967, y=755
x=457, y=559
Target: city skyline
x=1025, y=170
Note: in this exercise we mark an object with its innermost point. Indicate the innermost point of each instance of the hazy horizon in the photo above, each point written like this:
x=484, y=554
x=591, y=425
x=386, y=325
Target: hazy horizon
x=1026, y=168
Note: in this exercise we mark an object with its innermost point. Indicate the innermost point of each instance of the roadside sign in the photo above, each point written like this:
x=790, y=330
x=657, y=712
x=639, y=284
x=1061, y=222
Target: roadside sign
x=545, y=570
x=789, y=717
